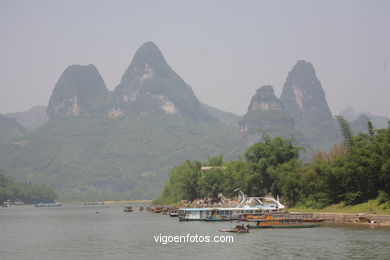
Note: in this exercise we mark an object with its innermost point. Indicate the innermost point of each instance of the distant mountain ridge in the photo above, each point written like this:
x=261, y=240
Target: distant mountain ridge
x=356, y=119
x=101, y=144
x=148, y=86
x=301, y=112
x=30, y=119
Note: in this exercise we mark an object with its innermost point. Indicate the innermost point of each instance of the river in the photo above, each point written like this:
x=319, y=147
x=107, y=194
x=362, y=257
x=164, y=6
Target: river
x=76, y=231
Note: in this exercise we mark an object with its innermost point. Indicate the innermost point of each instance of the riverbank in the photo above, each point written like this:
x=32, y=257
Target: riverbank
x=369, y=213
x=360, y=218
x=369, y=207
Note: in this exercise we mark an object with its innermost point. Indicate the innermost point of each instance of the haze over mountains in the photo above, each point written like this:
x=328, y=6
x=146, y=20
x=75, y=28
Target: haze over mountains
x=101, y=144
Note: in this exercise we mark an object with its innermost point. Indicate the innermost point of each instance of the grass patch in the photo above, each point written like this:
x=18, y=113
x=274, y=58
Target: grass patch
x=369, y=207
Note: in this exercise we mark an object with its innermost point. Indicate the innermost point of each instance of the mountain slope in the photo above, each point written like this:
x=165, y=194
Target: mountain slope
x=10, y=130
x=224, y=117
x=30, y=119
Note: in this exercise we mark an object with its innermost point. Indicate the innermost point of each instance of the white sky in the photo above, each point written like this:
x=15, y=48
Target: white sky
x=224, y=49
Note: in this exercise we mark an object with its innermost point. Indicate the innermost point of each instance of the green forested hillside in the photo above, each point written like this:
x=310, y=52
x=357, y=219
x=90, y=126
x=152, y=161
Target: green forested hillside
x=10, y=130
x=104, y=158
x=349, y=174
x=25, y=192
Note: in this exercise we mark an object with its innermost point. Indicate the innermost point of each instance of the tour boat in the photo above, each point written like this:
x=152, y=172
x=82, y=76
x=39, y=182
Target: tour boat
x=250, y=205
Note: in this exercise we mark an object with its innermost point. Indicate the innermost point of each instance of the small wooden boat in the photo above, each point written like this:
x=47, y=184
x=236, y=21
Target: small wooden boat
x=141, y=208
x=128, y=209
x=237, y=229
x=155, y=210
x=173, y=213
x=7, y=204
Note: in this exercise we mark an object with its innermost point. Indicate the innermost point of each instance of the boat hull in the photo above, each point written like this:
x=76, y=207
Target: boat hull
x=47, y=205
x=285, y=226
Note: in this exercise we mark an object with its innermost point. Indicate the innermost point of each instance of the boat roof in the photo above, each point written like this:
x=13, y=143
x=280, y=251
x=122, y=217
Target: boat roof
x=248, y=203
x=220, y=209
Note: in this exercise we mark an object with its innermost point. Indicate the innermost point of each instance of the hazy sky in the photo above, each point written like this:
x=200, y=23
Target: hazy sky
x=224, y=49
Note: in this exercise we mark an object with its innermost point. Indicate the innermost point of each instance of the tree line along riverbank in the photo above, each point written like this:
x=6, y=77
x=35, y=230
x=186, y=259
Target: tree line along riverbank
x=356, y=171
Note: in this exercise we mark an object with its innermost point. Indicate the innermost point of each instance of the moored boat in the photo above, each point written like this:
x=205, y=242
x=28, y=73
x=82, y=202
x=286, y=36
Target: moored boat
x=173, y=212
x=7, y=204
x=155, y=210
x=141, y=208
x=251, y=205
x=281, y=223
x=237, y=229
x=128, y=209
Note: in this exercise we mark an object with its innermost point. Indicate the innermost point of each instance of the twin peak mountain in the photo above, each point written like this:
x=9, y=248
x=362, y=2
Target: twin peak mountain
x=148, y=86
x=301, y=111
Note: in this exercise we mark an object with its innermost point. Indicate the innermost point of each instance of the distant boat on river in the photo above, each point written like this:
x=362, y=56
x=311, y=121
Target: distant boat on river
x=94, y=203
x=128, y=209
x=48, y=204
x=237, y=229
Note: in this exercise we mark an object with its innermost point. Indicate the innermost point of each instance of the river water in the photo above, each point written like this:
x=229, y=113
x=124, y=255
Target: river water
x=97, y=232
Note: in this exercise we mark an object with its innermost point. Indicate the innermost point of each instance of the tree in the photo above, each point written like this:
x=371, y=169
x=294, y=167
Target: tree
x=266, y=154
x=346, y=132
x=371, y=129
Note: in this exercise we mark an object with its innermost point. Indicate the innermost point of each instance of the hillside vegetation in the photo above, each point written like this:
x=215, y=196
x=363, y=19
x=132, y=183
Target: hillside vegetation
x=92, y=158
x=351, y=173
x=25, y=192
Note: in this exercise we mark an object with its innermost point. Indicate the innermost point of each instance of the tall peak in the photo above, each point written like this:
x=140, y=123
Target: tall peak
x=302, y=92
x=149, y=85
x=79, y=90
x=265, y=99
x=304, y=99
x=265, y=115
x=148, y=50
